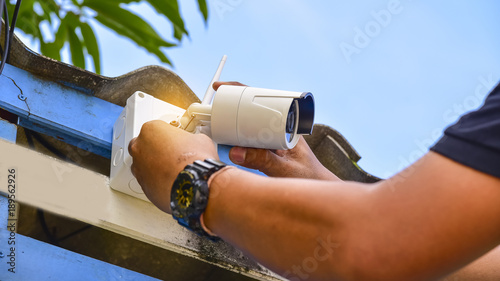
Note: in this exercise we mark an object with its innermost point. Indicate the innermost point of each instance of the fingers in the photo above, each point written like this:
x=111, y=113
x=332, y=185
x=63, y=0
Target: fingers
x=217, y=84
x=261, y=159
x=131, y=151
x=131, y=147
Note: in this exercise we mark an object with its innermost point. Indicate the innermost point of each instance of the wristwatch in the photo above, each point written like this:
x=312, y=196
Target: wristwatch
x=189, y=195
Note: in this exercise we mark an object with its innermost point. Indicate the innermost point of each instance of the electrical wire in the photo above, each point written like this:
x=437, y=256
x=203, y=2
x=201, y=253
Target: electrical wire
x=9, y=32
x=2, y=2
x=9, y=35
x=47, y=145
x=7, y=38
x=13, y=25
x=40, y=213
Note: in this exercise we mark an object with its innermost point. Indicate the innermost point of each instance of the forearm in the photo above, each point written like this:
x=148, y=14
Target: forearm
x=286, y=224
x=486, y=268
x=400, y=229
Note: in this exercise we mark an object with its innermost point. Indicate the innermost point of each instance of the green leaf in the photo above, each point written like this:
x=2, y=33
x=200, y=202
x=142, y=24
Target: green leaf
x=75, y=2
x=61, y=34
x=154, y=49
x=49, y=50
x=49, y=7
x=161, y=56
x=76, y=48
x=81, y=36
x=53, y=49
x=28, y=25
x=72, y=20
x=170, y=9
x=75, y=43
x=202, y=6
x=129, y=25
x=91, y=45
x=126, y=23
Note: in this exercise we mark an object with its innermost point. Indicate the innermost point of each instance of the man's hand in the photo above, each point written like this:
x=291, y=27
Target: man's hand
x=299, y=162
x=160, y=152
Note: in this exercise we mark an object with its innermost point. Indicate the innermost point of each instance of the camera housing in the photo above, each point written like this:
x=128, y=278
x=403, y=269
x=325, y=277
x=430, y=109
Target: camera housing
x=260, y=118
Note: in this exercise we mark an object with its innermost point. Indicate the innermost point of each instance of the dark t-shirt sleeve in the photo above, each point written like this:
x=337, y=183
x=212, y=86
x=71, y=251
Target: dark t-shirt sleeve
x=475, y=139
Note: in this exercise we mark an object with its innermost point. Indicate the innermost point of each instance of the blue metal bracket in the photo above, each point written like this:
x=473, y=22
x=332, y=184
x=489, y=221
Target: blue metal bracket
x=35, y=260
x=50, y=108
x=8, y=131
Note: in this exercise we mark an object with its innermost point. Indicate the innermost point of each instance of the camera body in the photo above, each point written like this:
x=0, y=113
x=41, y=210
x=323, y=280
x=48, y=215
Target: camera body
x=261, y=118
x=239, y=116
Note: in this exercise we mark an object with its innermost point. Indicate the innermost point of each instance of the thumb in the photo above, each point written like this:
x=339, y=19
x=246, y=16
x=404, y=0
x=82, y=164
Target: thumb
x=217, y=84
x=254, y=158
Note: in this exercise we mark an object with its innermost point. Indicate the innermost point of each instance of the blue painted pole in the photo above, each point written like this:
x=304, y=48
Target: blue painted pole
x=64, y=113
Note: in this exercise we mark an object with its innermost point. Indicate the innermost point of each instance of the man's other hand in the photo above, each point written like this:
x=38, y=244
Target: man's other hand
x=299, y=162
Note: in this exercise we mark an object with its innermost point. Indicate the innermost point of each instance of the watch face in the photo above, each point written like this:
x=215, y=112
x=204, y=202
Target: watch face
x=182, y=194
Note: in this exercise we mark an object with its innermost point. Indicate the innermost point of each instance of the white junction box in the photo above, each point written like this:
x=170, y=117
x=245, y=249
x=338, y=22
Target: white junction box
x=140, y=108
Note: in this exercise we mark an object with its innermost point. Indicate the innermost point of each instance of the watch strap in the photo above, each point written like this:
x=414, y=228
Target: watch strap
x=203, y=170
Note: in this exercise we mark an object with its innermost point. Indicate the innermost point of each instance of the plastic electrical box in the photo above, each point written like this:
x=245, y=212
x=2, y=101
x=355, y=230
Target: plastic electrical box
x=140, y=108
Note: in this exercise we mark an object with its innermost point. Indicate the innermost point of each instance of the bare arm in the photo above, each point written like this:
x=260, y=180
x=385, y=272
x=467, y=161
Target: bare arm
x=301, y=162
x=422, y=224
x=416, y=227
x=486, y=268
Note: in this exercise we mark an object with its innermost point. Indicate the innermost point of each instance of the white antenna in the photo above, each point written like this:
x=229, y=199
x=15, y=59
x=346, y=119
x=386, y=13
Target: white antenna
x=209, y=94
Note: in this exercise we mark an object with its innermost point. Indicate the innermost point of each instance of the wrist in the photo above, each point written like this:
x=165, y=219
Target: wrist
x=217, y=184
x=190, y=194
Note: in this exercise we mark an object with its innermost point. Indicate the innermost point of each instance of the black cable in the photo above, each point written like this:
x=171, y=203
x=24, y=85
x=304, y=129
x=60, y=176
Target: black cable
x=48, y=146
x=7, y=38
x=14, y=17
x=74, y=233
x=1, y=14
x=29, y=138
x=9, y=32
x=41, y=218
x=40, y=213
x=13, y=26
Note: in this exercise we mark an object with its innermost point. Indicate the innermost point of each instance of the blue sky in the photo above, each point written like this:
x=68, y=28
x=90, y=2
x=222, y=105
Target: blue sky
x=389, y=75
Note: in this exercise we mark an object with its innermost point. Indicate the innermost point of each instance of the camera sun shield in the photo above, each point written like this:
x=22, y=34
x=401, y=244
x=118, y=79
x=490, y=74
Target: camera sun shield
x=261, y=118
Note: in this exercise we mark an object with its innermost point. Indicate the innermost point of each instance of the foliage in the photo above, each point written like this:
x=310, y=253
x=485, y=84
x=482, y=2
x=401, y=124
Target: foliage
x=55, y=23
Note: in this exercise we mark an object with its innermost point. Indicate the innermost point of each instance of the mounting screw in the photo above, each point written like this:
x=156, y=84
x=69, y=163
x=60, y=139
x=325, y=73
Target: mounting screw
x=21, y=97
x=174, y=123
x=1, y=255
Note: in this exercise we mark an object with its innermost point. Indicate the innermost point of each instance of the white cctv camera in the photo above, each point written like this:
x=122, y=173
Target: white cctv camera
x=239, y=115
x=261, y=118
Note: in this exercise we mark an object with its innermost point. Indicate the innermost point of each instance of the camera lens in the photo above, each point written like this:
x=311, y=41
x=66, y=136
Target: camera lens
x=291, y=121
x=292, y=116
